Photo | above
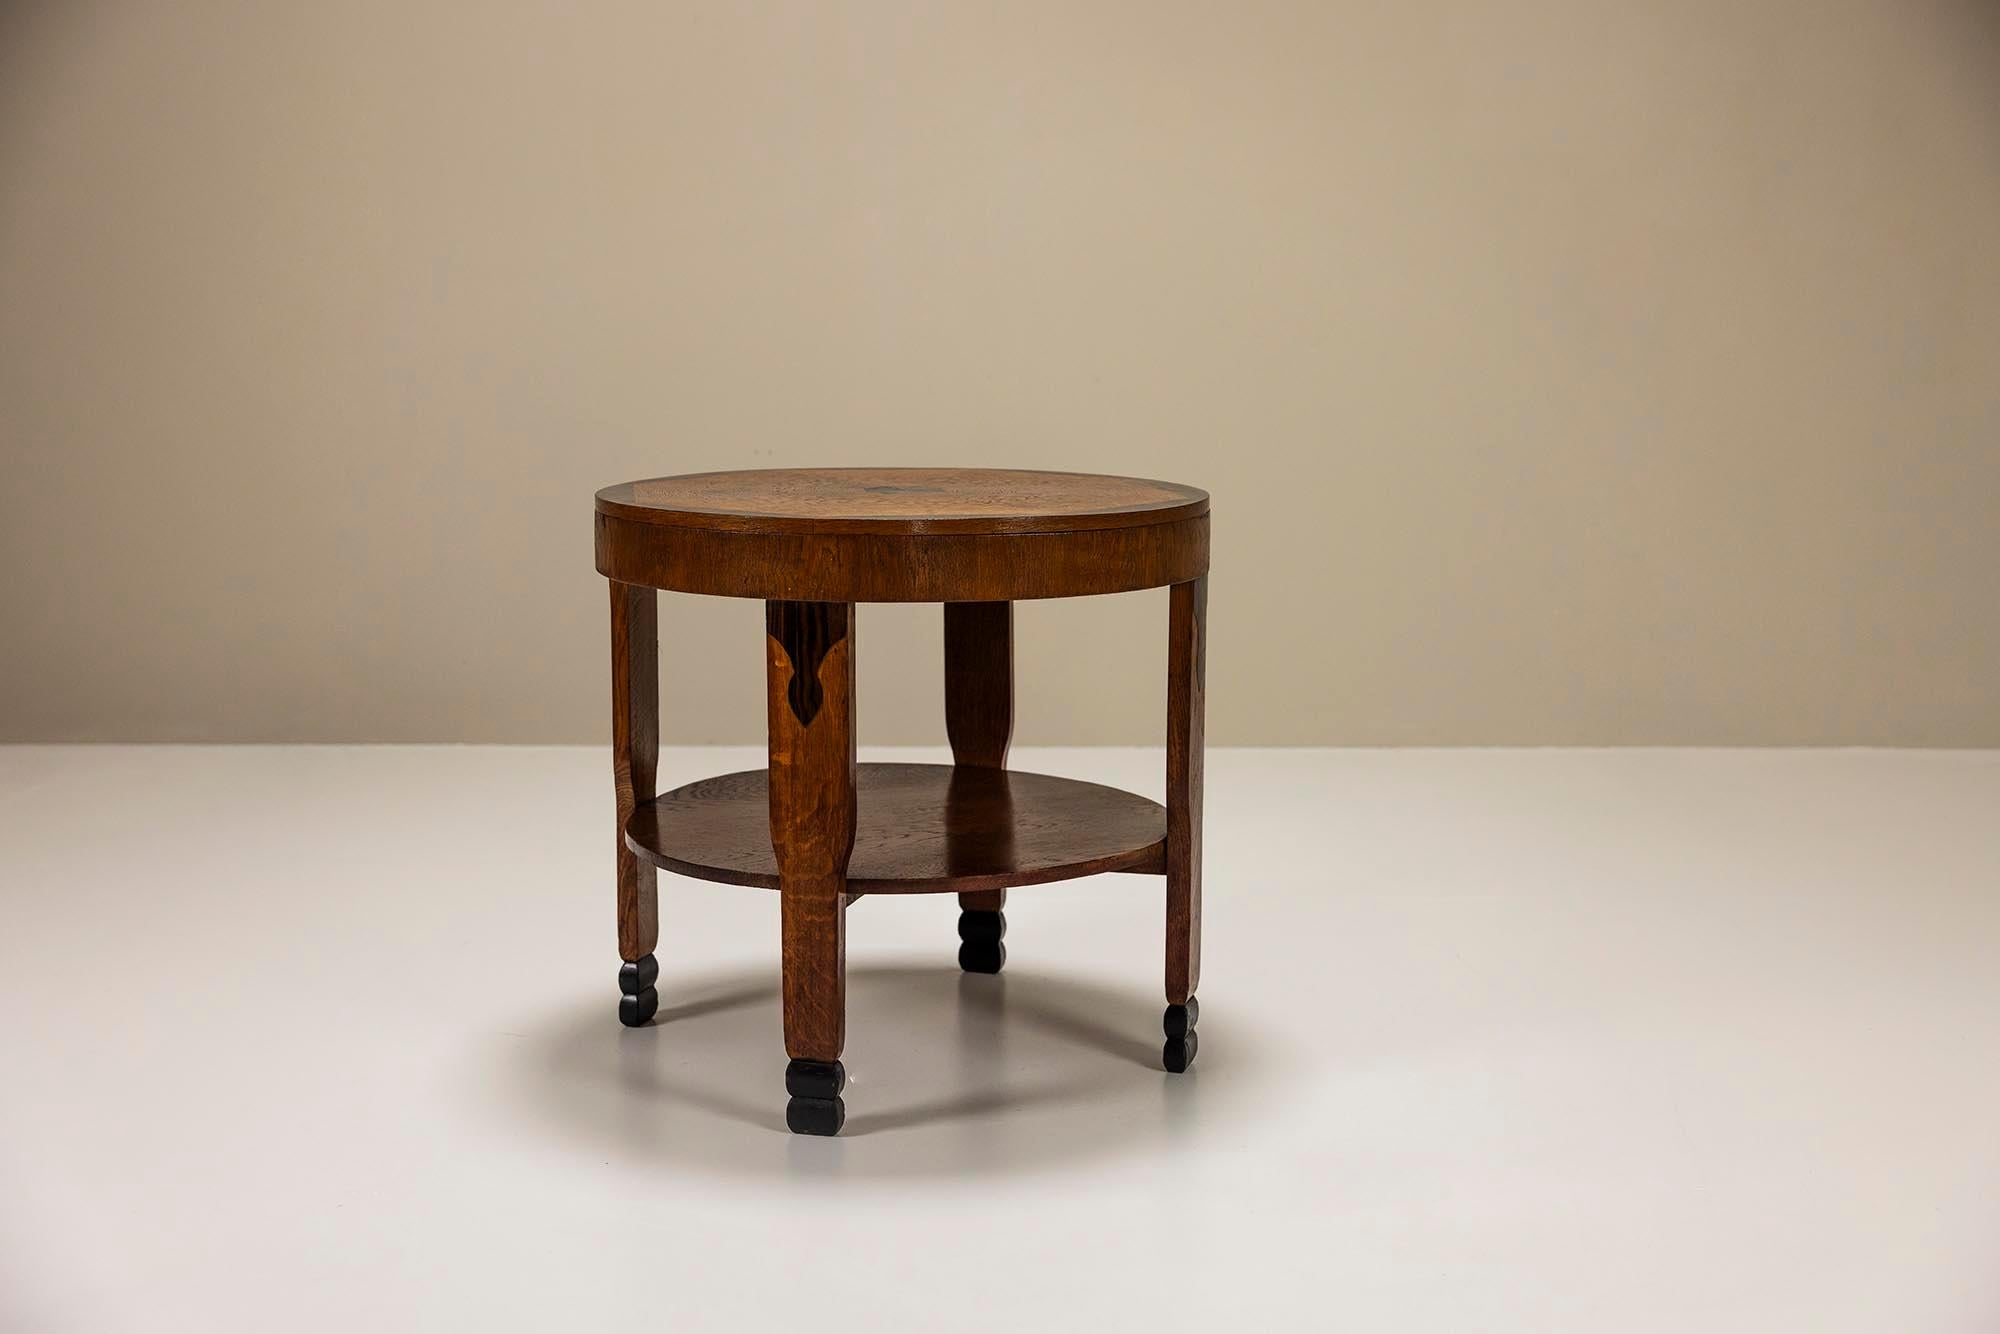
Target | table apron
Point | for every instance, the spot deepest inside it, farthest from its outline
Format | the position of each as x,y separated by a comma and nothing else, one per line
877,567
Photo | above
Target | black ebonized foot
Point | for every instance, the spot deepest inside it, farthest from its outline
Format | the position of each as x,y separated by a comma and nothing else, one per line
982,933
640,1000
815,1108
1182,1043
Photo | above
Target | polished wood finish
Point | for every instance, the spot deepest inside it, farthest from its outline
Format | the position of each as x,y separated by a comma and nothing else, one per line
822,829
979,721
809,658
901,534
635,755
901,501
1187,688
920,829
888,567
979,681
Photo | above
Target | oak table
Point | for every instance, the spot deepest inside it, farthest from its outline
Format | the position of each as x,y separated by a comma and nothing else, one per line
823,830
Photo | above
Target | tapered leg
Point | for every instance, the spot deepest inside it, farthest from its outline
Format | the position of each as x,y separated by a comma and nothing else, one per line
635,755
1187,653
979,681
979,720
809,654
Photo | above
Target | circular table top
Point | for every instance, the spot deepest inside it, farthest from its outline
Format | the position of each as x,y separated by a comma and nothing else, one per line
901,501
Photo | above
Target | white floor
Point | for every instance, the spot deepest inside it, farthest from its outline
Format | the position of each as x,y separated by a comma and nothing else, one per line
324,1039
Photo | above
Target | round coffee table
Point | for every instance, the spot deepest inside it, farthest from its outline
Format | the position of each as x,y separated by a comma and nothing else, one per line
823,830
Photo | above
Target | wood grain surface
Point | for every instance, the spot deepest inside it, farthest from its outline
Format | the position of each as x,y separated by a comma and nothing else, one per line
920,828
1187,688
979,702
901,501
635,752
901,567
979,681
809,814
821,828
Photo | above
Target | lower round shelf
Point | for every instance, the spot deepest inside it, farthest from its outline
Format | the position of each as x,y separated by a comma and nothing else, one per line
919,829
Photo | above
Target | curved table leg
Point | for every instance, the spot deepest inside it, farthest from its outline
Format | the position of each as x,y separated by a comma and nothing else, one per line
809,657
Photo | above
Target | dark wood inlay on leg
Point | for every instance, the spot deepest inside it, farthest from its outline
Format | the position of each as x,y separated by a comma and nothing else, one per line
807,631
812,812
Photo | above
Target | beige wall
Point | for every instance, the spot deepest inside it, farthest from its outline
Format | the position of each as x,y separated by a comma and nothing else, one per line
1564,371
